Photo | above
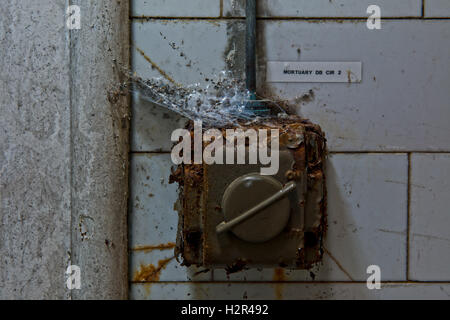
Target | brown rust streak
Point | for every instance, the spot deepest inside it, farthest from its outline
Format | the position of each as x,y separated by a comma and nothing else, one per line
150,273
163,246
278,277
154,65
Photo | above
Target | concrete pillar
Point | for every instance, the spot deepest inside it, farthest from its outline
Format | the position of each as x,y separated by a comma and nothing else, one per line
63,149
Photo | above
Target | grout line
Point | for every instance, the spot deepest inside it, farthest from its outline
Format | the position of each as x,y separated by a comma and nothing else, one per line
313,19
221,8
423,8
408,216
289,282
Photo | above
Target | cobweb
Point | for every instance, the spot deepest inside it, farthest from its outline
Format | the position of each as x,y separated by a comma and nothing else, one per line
222,102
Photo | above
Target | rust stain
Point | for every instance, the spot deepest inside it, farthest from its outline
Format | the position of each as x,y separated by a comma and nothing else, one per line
154,65
349,76
163,246
237,266
338,263
308,155
279,276
150,273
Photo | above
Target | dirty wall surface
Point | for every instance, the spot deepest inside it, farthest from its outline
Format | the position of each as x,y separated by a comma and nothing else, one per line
63,150
389,158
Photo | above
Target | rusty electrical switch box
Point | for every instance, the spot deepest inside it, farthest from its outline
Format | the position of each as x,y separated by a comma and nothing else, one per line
233,217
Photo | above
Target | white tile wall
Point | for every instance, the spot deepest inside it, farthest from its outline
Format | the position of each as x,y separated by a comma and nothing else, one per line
437,8
175,8
430,217
188,51
304,291
402,101
325,8
283,8
152,126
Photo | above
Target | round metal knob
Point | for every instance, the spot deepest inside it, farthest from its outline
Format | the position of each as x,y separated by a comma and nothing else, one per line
247,192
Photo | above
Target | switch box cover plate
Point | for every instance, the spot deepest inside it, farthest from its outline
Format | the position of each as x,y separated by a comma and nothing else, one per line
288,233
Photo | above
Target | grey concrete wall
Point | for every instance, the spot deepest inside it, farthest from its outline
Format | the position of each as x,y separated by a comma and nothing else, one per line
63,150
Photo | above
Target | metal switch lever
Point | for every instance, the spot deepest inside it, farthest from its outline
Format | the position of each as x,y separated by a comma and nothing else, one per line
225,226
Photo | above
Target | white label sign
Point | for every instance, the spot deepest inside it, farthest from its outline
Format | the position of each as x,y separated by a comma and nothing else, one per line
295,71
